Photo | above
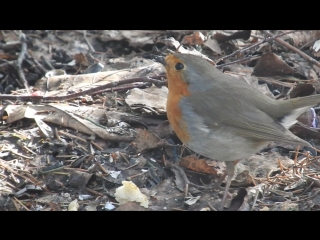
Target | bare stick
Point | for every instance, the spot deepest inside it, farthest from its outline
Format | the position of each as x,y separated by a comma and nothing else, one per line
294,49
105,87
253,46
18,63
87,41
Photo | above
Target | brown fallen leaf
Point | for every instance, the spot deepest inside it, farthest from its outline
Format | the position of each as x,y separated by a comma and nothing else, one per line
271,65
151,100
197,38
145,140
81,59
198,165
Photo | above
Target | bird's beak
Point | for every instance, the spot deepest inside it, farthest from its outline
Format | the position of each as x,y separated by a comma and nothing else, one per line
160,59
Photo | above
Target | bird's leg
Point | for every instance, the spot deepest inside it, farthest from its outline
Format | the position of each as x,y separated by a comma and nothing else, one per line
223,176
220,180
230,171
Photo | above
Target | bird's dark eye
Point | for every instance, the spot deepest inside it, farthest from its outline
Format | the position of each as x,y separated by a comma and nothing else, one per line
179,66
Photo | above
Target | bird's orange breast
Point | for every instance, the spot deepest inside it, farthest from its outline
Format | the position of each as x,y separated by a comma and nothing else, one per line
177,90
175,118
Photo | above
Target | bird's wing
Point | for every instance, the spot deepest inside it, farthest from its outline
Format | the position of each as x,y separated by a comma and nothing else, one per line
224,112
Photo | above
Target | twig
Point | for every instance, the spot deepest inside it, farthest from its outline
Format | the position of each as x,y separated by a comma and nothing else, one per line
96,145
60,38
14,203
179,209
295,159
184,177
18,63
125,158
102,168
105,87
24,177
212,207
201,187
278,82
253,46
125,88
294,49
10,46
53,170
20,155
242,60
76,169
87,41
72,136
136,175
307,188
48,64
94,192
36,64
21,204
255,199
131,165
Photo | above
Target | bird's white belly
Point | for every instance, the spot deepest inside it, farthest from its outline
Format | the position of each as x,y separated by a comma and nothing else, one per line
223,146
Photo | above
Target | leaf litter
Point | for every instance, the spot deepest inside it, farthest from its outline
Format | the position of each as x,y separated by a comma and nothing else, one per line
85,129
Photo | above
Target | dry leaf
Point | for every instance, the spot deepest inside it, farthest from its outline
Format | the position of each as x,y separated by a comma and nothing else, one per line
130,192
197,165
70,116
213,45
145,140
271,65
151,100
73,206
197,38
301,38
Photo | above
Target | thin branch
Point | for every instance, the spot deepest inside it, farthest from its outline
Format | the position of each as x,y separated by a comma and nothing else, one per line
253,46
105,87
19,61
294,49
87,41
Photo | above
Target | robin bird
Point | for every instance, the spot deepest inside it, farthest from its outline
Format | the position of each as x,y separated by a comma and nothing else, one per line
225,119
